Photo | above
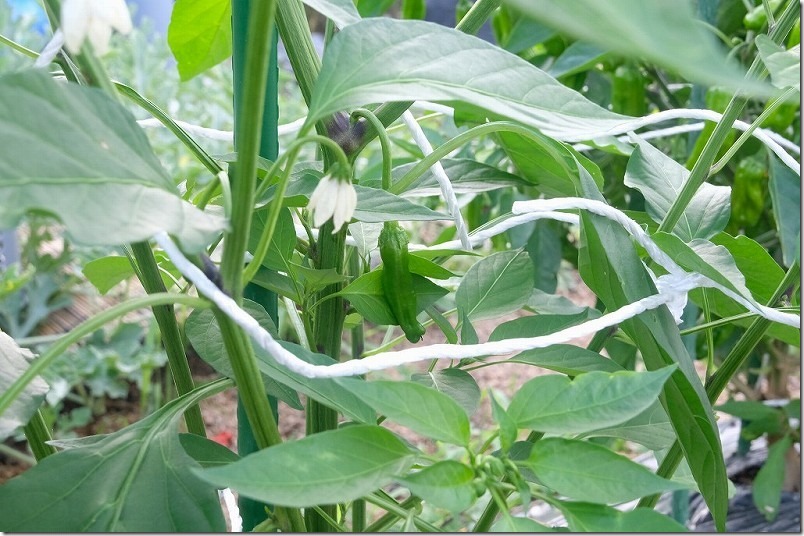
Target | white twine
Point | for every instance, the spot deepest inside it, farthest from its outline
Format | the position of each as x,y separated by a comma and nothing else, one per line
51,50
672,287
442,178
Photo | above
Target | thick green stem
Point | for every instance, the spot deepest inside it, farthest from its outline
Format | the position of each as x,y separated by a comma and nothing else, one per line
400,512
385,144
327,329
248,128
171,337
731,364
38,434
295,33
700,171
88,327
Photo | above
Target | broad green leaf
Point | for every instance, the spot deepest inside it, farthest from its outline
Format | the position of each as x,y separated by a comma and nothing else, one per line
647,31
283,240
375,205
592,473
499,284
609,264
547,164
466,176
13,362
326,468
576,58
536,325
422,409
509,523
366,295
555,404
373,8
314,279
332,392
106,272
524,34
200,35
136,480
74,153
749,410
587,517
427,268
544,249
275,282
660,179
544,303
455,383
204,334
651,428
785,191
380,60
767,488
366,236
446,484
508,428
566,359
783,65
762,276
206,452
341,12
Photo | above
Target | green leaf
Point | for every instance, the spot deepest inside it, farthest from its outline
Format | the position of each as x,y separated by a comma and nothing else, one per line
326,468
283,240
577,58
647,31
609,264
566,359
366,295
74,153
427,268
555,404
767,488
106,272
341,12
785,191
204,334
383,59
466,176
783,65
279,283
750,410
455,383
544,249
13,362
496,285
508,428
423,410
592,473
509,523
537,325
200,35
651,428
547,164
136,480
331,392
660,179
586,517
375,205
446,484
206,452
314,279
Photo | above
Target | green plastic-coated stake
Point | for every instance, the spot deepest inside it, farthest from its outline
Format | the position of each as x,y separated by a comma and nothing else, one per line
253,512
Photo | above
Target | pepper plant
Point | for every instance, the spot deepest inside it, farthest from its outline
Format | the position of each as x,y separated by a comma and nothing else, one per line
551,114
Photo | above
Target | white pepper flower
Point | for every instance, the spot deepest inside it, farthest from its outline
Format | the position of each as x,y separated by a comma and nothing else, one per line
333,198
93,20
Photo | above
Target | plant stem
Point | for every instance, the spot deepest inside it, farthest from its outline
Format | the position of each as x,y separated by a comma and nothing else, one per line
700,171
21,457
477,16
171,337
37,433
385,144
733,361
400,512
85,328
295,33
248,127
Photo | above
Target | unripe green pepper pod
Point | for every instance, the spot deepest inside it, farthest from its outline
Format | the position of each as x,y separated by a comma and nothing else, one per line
628,91
397,281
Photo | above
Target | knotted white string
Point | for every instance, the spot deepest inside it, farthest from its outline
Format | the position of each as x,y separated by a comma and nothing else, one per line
673,289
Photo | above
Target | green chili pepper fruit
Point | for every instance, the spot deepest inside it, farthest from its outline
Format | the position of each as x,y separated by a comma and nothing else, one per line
397,281
782,117
748,191
628,91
